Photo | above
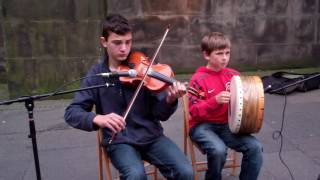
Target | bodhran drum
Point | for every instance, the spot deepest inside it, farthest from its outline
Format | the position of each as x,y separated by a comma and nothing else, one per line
246,106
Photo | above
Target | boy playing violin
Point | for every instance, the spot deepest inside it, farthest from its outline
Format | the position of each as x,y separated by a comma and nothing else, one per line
209,113
140,135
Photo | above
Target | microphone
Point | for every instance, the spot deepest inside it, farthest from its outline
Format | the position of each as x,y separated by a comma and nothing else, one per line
131,73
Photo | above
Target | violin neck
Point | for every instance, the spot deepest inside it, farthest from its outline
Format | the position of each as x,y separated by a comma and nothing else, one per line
169,80
161,77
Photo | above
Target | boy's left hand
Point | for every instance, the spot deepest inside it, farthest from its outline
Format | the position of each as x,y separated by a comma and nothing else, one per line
176,90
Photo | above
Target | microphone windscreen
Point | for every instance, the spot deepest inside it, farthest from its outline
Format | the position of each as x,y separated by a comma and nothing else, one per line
132,73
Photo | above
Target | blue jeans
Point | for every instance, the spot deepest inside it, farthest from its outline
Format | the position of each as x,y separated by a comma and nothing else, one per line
214,139
163,153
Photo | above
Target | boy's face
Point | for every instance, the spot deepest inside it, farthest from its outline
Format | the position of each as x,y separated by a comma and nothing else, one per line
217,59
117,46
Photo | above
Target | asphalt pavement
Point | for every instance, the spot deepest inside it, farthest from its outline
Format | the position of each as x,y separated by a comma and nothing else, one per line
70,154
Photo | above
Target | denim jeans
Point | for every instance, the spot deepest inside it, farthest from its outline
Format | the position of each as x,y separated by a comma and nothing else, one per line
163,153
214,139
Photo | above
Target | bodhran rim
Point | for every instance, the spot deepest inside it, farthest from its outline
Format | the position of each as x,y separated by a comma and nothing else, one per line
235,104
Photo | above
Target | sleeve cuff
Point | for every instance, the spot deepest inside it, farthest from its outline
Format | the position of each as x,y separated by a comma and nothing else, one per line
93,126
212,102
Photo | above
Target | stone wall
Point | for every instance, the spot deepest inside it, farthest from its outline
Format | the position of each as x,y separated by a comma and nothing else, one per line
47,43
265,34
44,44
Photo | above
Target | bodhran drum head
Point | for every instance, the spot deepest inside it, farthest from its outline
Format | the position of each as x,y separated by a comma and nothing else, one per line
246,105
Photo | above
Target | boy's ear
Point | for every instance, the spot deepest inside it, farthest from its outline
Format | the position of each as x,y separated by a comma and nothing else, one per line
206,56
103,42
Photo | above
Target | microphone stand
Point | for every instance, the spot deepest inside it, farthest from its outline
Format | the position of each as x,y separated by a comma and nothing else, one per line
295,83
29,104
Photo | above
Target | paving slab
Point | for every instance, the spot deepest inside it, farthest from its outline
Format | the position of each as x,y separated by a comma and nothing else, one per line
67,153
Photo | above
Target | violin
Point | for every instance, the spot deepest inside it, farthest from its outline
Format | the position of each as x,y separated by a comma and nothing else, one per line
159,76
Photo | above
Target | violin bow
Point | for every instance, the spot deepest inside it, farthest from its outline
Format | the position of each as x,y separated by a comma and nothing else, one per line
142,81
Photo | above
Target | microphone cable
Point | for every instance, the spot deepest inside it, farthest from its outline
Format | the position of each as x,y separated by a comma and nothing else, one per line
278,134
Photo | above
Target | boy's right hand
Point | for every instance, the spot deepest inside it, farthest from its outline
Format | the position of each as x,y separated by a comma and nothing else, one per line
223,97
112,121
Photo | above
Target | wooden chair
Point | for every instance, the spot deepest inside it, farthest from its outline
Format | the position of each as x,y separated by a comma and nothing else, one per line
199,166
103,159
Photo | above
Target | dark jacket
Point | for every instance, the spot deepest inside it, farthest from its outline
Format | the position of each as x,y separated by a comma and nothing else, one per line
143,122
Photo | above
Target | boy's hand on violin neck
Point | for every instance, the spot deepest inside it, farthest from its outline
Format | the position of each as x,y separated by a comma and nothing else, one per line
175,91
112,121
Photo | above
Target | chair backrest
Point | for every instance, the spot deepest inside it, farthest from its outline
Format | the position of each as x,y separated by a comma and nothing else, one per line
189,147
103,160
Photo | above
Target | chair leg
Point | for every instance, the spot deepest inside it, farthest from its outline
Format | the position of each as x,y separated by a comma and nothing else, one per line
100,167
193,159
107,163
156,173
234,163
100,163
151,171
103,157
185,138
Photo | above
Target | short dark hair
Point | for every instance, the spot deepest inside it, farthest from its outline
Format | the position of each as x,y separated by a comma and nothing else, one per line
115,23
214,41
